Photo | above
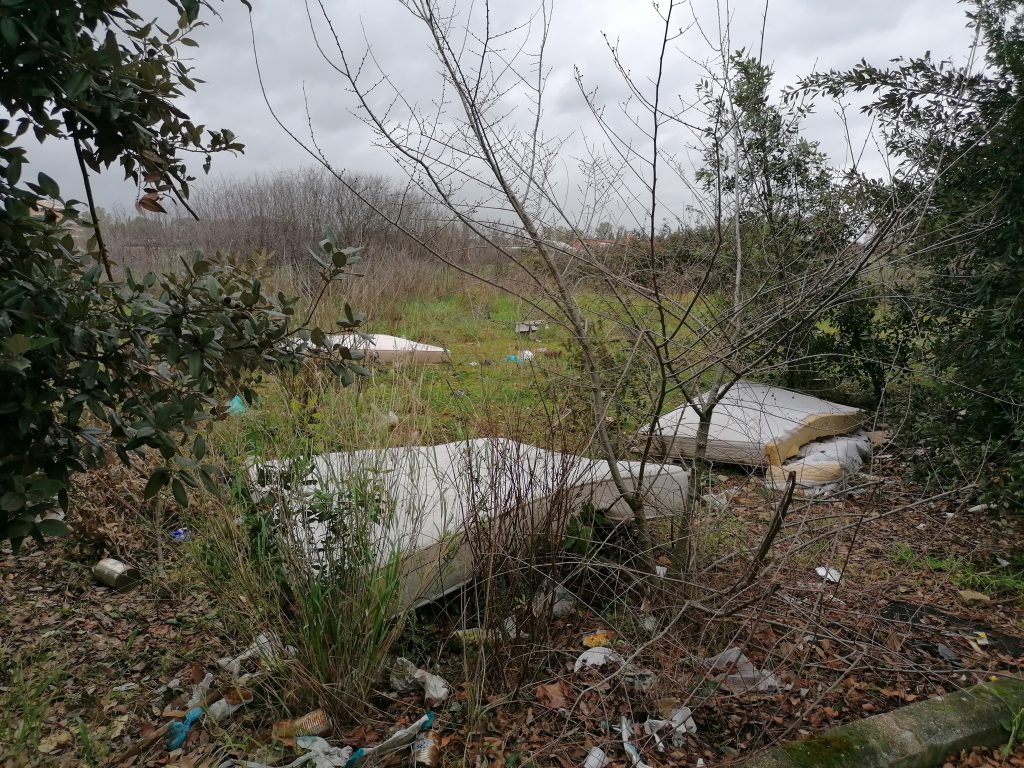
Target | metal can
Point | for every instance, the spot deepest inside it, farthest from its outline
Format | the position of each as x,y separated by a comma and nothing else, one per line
426,750
312,724
115,574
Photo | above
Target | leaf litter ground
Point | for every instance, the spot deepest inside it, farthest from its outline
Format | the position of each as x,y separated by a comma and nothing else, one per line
83,669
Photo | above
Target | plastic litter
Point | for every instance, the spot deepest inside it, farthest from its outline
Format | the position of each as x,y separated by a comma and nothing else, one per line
596,758
1002,563
682,724
232,701
651,728
406,677
426,750
312,724
178,731
180,534
529,326
401,738
236,406
526,355
513,359
639,679
738,673
980,508
630,749
829,574
320,754
200,691
598,639
559,601
597,657
115,574
263,650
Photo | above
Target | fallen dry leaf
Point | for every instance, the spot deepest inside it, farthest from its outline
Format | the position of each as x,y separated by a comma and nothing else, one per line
54,742
551,695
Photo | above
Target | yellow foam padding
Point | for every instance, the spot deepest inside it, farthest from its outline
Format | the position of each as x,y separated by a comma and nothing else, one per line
807,475
814,427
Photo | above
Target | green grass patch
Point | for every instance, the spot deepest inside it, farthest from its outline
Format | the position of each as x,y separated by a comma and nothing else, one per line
964,573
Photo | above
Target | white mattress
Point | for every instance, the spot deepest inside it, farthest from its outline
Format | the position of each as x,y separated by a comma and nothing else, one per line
432,492
755,425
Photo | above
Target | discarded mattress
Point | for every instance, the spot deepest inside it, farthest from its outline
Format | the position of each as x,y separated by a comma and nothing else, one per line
755,425
424,498
383,348
822,464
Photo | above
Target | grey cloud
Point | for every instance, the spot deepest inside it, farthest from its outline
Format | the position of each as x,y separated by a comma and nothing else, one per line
800,34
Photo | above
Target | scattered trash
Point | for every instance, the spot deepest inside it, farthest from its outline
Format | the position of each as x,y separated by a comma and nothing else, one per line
597,657
115,574
639,679
661,570
1002,563
513,359
322,754
598,639
945,652
264,650
319,754
180,534
922,526
739,674
178,731
718,502
199,692
477,636
406,677
981,638
829,574
630,749
232,701
651,728
680,724
559,602
700,762
392,419
236,406
426,750
596,758
981,508
971,597
530,326
650,623
473,363
526,355
949,515
396,741
311,724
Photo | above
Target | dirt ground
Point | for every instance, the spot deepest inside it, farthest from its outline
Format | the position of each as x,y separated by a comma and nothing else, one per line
84,670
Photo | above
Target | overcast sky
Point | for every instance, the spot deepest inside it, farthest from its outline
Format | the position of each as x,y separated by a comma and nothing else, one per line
800,35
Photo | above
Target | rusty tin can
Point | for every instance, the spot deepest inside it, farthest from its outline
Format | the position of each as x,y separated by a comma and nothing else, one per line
426,750
313,724
115,574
